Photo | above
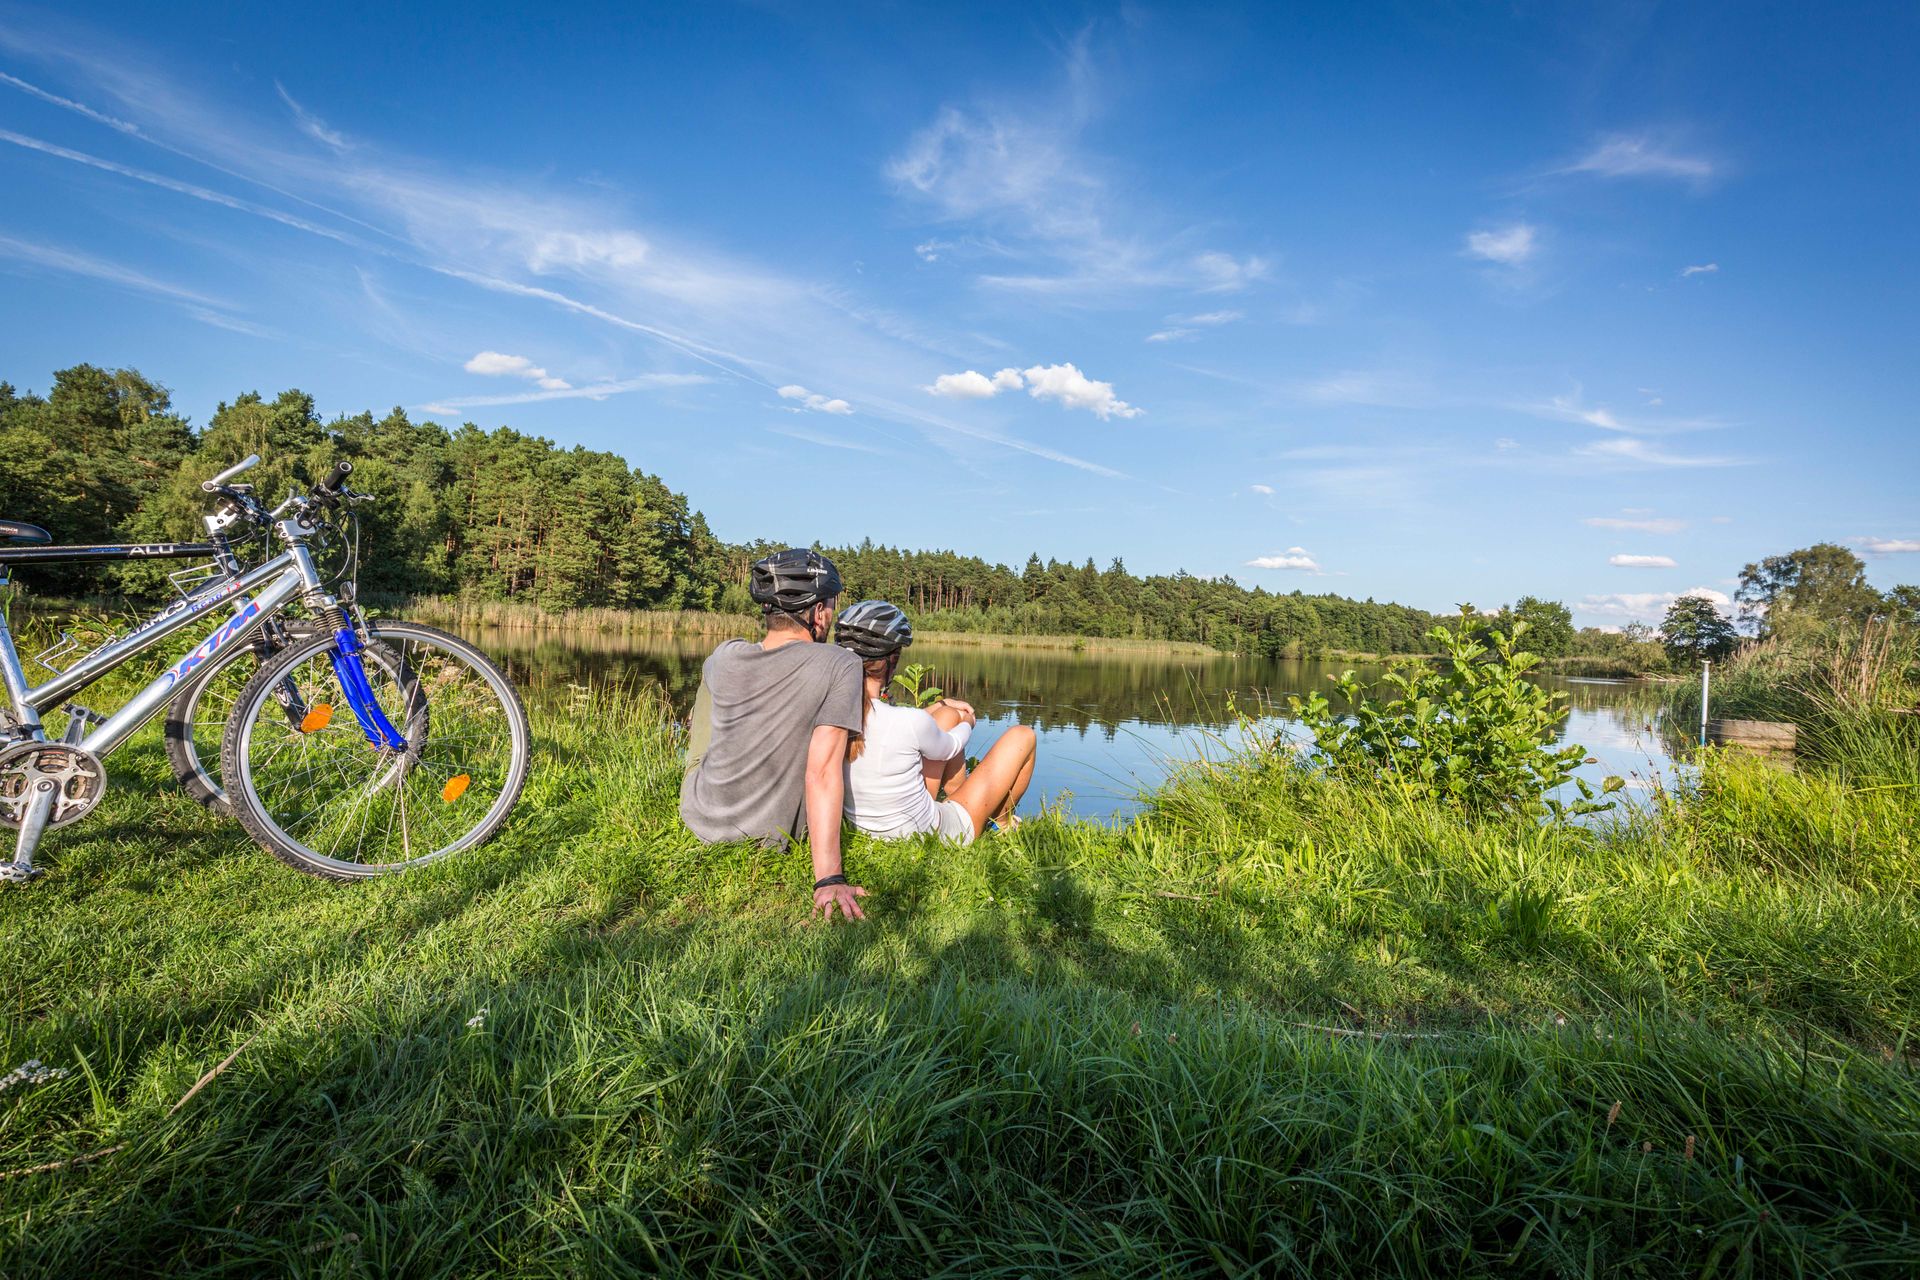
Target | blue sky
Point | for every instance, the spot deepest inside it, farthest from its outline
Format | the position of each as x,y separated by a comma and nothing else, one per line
1424,303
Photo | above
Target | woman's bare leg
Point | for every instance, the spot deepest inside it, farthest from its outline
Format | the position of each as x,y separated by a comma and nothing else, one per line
945,773
992,790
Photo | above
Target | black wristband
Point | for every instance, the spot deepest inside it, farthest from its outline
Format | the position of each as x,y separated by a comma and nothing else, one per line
826,881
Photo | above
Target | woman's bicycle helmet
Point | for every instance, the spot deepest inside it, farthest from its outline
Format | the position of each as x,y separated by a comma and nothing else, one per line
873,629
793,581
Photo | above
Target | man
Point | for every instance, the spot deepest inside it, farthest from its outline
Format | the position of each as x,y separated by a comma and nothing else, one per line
766,755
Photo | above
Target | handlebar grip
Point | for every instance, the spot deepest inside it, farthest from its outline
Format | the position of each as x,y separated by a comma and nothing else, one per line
246,463
338,477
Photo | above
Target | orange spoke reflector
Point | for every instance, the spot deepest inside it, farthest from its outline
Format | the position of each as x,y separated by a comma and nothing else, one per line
318,718
456,787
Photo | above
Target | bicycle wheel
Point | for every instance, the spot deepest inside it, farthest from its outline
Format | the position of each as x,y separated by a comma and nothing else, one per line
317,792
197,717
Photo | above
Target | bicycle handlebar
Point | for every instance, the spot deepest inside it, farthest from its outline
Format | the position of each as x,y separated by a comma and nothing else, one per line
245,464
330,487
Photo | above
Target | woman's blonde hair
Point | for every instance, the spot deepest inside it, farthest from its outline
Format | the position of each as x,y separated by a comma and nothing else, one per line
882,667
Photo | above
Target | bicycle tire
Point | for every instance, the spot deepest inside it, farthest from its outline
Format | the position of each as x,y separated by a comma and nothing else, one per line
422,665
198,771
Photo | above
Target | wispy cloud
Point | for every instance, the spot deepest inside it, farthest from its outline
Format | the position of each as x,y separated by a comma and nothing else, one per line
596,391
495,364
1023,175
1640,155
1172,335
1572,408
520,239
824,441
170,184
78,108
1630,451
1705,269
1625,561
814,400
1264,490
1888,546
1637,521
1513,245
1293,558
81,264
310,124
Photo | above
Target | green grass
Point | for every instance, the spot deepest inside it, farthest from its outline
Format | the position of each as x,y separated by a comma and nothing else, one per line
1272,1025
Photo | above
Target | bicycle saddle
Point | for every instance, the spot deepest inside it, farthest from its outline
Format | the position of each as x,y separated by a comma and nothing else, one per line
21,531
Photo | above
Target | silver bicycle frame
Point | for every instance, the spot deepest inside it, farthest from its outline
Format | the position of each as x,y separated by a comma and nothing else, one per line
285,576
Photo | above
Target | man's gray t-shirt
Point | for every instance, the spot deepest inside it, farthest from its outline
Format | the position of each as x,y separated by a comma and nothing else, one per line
752,720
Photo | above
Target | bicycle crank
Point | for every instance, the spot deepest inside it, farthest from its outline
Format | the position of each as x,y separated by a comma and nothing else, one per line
68,782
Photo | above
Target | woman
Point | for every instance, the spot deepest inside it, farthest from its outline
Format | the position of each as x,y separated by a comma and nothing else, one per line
904,756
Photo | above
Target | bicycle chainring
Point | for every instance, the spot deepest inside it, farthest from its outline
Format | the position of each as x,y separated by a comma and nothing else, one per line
77,774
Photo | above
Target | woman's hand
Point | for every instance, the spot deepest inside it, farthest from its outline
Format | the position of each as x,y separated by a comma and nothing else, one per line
966,712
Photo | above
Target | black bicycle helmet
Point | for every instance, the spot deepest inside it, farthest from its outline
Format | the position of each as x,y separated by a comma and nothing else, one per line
872,629
793,580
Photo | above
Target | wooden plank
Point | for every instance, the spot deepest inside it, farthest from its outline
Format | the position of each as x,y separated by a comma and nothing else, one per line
1754,735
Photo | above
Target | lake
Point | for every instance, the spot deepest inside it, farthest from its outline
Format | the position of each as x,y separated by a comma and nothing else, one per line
1109,723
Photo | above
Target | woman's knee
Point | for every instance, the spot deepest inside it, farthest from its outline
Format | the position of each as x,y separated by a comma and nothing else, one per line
1023,738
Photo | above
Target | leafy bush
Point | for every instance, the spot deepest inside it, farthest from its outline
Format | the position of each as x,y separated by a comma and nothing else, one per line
1470,731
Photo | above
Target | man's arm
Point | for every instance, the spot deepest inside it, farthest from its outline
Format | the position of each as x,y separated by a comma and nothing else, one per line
826,791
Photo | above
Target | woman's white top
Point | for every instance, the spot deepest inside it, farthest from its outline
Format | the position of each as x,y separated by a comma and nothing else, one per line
887,787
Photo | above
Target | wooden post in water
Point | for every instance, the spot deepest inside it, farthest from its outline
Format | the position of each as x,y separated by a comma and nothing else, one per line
1706,683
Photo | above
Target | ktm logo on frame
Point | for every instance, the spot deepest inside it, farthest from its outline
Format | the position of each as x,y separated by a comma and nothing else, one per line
211,645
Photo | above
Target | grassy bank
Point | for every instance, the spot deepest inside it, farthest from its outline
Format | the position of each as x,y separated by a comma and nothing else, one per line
1271,1024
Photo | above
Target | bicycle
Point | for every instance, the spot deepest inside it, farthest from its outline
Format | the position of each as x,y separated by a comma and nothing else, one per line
430,761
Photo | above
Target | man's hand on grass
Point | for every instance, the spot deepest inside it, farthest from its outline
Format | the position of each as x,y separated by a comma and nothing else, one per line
845,896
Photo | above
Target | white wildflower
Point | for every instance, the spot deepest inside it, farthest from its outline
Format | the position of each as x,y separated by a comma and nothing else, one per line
32,1072
477,1021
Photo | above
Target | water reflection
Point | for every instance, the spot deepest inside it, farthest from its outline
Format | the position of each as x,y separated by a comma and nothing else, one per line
1109,724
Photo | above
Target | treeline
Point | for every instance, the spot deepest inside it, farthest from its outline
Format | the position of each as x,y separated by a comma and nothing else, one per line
500,515
944,591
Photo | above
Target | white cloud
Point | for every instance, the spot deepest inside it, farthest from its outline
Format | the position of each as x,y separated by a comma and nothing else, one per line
1706,269
1510,246
1210,317
1644,606
1638,521
1625,561
1505,443
1173,335
1623,155
1889,546
1074,390
975,386
1265,490
1061,382
1292,558
813,400
930,250
497,364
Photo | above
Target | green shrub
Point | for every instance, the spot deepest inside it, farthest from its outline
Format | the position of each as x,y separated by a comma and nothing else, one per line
1471,731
